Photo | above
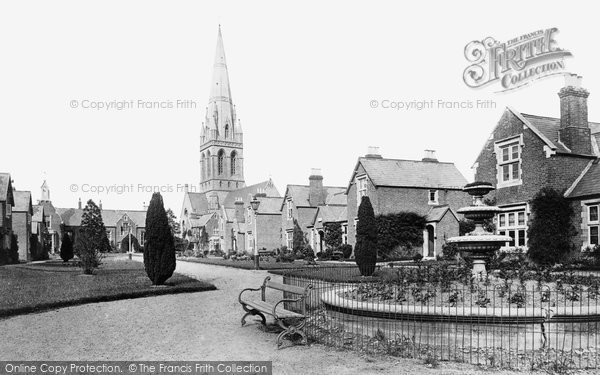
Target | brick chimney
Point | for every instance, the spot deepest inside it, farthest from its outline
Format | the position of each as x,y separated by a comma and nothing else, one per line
574,129
316,193
373,152
239,210
430,156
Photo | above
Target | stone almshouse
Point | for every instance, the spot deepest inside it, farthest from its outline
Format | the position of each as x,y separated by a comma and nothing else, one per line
528,152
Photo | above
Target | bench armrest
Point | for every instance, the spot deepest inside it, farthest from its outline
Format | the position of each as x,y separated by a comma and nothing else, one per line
286,300
247,290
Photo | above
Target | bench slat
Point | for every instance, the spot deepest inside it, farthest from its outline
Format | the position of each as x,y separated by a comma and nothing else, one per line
268,309
286,287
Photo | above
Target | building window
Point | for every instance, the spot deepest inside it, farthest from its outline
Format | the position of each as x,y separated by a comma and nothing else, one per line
8,210
233,161
593,224
220,161
289,239
226,131
433,196
124,229
345,234
361,187
289,209
513,224
142,237
508,154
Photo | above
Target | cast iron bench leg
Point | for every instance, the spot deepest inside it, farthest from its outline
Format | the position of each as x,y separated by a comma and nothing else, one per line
290,330
253,312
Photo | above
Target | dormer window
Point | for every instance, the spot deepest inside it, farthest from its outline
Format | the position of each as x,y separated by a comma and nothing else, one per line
433,196
508,156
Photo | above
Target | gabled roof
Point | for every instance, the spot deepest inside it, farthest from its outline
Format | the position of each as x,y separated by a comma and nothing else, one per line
437,213
331,214
22,201
38,213
269,205
200,221
335,195
266,187
6,192
547,129
588,183
72,217
198,202
410,173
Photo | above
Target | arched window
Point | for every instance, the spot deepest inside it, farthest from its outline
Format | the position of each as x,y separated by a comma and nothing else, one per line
227,131
202,166
233,162
208,164
220,161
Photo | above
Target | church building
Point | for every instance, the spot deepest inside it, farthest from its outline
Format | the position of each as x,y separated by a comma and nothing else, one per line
211,212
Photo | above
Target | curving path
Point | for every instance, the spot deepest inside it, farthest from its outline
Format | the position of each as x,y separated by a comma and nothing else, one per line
197,326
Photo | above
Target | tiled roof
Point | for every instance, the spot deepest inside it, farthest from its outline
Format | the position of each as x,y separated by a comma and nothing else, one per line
549,127
199,202
589,183
269,205
5,186
22,201
413,173
299,194
436,213
330,214
200,221
72,216
267,187
38,213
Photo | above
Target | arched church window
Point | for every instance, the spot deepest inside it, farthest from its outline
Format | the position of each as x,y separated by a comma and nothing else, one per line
227,131
208,164
233,162
220,161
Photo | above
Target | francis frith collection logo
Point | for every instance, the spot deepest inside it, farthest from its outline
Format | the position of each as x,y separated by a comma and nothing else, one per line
515,63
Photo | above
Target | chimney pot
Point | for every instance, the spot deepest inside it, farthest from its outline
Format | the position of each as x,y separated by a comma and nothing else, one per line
574,130
373,152
430,156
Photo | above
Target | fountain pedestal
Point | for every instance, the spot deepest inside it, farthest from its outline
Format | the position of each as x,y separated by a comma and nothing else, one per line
480,244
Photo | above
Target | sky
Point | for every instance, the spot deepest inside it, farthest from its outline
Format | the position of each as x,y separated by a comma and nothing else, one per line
303,77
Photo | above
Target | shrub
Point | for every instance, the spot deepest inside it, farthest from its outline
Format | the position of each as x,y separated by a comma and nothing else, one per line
550,227
365,251
308,252
134,244
66,248
298,237
450,251
333,235
402,230
91,240
159,248
346,249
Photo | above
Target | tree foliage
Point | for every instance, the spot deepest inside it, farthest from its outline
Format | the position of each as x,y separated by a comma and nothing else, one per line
403,231
159,249
173,223
135,244
66,248
365,250
333,236
298,238
550,227
92,240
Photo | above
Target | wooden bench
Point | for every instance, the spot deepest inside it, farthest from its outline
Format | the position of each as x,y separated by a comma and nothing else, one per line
291,322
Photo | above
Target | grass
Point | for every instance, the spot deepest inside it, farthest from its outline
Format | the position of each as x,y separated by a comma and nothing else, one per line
29,288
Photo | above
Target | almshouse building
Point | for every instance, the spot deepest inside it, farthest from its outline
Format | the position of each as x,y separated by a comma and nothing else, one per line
427,187
527,152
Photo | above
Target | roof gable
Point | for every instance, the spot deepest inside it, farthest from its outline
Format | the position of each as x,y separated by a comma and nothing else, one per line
266,187
23,201
6,191
588,183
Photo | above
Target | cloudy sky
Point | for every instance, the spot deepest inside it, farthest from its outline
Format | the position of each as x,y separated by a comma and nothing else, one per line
303,75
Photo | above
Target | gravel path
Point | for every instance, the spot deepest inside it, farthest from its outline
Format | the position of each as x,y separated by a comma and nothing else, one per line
196,326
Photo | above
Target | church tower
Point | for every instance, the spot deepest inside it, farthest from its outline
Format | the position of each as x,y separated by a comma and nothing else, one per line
221,138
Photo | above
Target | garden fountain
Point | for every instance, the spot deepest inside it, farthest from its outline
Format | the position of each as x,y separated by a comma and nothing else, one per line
480,244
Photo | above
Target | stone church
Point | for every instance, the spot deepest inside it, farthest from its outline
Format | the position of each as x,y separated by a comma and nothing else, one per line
221,208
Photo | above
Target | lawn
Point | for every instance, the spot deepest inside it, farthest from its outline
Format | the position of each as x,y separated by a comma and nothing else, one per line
35,287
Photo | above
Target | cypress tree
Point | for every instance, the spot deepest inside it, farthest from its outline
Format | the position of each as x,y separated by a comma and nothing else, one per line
91,239
159,248
66,248
365,251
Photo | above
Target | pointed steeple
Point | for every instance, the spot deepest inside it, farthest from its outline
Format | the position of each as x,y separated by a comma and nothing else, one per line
220,102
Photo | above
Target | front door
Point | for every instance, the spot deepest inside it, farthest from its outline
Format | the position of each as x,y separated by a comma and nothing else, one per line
430,241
